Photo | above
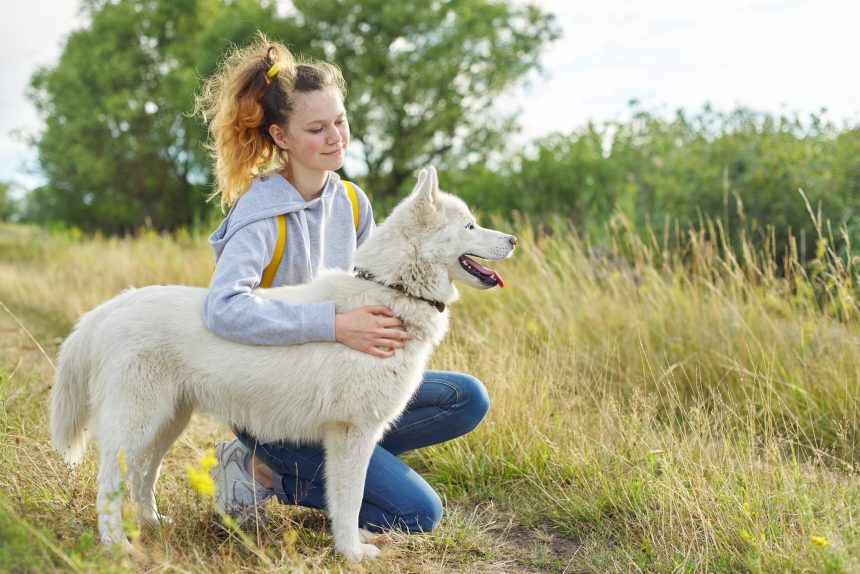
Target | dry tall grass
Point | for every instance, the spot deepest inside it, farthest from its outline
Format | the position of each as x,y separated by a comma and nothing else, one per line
666,410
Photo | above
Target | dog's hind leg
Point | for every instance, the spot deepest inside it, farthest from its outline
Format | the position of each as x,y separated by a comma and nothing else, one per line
112,477
347,453
164,439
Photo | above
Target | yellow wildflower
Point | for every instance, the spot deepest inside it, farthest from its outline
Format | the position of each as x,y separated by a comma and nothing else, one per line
208,462
819,541
201,481
199,477
745,534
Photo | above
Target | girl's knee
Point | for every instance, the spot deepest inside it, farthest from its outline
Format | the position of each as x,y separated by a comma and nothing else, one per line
479,393
424,515
427,516
432,515
474,398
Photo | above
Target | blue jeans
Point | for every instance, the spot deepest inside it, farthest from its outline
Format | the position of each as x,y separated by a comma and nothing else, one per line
445,406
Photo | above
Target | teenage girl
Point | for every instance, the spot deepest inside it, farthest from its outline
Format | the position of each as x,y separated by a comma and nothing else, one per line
279,132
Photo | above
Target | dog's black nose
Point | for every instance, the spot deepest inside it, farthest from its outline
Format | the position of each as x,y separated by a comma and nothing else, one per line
513,240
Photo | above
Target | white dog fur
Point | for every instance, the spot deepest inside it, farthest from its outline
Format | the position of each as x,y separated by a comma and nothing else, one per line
135,368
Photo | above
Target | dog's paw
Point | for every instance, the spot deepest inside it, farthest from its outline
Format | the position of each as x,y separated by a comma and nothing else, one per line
362,552
366,536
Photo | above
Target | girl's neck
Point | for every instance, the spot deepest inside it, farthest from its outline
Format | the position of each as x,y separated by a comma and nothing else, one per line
309,183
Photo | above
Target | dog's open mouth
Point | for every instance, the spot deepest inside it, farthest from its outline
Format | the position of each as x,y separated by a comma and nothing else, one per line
488,277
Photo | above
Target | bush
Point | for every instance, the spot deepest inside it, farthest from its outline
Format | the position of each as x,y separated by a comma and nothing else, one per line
742,167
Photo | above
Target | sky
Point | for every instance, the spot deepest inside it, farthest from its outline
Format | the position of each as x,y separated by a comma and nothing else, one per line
777,56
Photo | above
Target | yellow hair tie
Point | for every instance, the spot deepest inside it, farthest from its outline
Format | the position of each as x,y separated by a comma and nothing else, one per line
273,71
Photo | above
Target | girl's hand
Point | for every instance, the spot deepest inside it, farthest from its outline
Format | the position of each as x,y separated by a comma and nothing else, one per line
372,329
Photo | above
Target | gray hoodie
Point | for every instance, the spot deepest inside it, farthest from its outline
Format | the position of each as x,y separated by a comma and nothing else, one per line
320,235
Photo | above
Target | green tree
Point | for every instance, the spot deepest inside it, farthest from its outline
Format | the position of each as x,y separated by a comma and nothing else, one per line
6,204
423,76
119,150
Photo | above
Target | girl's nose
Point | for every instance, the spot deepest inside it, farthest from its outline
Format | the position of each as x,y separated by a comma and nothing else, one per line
334,135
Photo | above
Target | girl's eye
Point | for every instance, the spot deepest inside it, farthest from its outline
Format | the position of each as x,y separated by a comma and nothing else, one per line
317,131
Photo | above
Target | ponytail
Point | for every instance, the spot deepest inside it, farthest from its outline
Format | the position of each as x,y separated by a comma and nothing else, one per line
249,92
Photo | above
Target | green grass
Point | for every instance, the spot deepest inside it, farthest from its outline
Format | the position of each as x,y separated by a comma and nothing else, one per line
692,411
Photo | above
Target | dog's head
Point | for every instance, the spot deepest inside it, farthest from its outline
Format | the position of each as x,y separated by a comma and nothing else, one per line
431,239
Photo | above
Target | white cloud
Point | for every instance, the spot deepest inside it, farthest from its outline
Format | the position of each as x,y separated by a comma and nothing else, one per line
770,55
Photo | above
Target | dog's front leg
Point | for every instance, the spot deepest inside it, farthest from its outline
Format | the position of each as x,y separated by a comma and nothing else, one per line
347,453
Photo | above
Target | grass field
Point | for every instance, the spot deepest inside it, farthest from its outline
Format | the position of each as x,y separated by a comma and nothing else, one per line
689,410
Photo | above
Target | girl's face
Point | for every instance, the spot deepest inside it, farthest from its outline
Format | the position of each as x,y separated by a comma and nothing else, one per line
318,132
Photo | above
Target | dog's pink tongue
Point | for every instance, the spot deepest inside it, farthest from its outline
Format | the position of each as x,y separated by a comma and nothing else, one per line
488,272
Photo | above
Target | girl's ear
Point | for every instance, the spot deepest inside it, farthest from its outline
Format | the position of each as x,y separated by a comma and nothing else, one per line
279,136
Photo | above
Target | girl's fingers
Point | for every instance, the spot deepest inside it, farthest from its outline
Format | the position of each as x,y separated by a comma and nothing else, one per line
391,322
388,343
380,310
395,334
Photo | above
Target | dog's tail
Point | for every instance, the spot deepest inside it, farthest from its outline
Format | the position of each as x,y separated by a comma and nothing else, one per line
70,396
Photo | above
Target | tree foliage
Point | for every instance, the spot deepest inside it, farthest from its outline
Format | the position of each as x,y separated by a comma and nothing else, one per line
7,206
423,76
742,167
119,149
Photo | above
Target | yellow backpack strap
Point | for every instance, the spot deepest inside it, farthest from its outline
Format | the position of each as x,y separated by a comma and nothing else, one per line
269,271
350,191
272,267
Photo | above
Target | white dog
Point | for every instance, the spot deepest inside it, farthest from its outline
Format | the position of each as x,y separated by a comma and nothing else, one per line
136,367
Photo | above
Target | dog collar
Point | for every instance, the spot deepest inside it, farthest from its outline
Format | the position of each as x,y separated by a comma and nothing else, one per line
361,274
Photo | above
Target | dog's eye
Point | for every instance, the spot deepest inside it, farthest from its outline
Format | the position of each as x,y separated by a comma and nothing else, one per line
470,226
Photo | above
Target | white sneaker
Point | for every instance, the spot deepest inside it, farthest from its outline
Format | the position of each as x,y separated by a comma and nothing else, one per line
236,491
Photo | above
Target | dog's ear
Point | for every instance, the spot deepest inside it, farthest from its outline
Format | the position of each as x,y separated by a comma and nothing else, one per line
434,182
431,173
426,191
428,183
422,181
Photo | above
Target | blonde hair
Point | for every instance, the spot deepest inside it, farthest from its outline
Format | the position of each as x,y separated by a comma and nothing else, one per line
240,101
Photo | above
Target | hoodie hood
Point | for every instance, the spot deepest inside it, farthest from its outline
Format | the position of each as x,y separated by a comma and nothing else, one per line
269,195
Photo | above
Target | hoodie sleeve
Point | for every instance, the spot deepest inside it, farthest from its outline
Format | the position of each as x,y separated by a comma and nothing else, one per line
233,311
